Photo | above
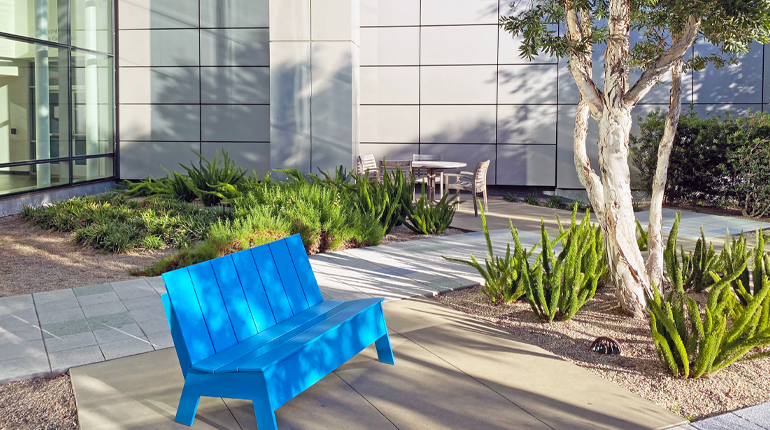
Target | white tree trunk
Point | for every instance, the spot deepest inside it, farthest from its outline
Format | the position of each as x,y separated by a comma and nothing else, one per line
655,232
619,223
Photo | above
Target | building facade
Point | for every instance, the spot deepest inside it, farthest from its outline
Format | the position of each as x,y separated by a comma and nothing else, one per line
92,90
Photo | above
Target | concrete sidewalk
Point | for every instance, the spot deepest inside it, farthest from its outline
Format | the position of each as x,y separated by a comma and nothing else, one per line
451,372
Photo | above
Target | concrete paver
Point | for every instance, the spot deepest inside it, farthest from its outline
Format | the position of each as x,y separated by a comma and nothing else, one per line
428,388
758,415
727,421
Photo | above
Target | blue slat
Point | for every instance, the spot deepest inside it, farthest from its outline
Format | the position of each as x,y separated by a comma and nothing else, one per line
235,299
304,271
196,337
272,283
231,358
213,306
289,277
288,348
252,287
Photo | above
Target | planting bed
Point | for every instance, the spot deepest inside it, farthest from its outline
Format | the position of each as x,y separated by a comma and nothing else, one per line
637,368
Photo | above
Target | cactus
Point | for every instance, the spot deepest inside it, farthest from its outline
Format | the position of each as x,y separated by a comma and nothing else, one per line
558,287
692,345
700,263
501,276
691,270
430,218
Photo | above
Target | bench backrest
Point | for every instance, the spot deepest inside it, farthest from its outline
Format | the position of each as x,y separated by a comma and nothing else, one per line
218,303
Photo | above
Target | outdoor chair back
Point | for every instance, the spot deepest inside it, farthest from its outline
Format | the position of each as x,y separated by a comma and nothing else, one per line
367,166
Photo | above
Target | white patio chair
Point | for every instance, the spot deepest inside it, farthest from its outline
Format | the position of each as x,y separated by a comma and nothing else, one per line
474,183
366,165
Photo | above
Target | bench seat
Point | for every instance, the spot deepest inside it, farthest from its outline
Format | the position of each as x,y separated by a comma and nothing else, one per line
253,325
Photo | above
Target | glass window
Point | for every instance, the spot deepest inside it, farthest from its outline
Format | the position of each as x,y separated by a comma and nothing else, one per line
34,102
38,19
92,168
92,25
34,176
92,111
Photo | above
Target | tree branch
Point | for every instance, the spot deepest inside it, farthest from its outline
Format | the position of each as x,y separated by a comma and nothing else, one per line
586,175
663,63
580,64
655,227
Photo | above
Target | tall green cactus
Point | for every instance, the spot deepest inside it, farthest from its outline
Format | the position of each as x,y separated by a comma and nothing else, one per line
501,274
556,287
691,270
693,345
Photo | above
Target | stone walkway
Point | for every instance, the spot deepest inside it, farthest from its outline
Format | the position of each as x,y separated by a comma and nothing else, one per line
714,226
47,333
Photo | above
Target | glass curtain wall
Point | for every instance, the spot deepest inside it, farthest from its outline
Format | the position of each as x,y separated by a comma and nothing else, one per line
56,93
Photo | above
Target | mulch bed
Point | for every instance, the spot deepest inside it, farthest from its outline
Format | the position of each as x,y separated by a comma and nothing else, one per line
38,404
637,368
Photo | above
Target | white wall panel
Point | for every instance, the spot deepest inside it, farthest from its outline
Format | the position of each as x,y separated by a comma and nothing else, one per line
397,124
235,123
397,46
159,85
250,156
454,12
144,14
526,124
740,83
527,84
235,47
234,13
458,84
457,124
390,12
159,48
179,123
390,85
390,151
530,165
139,160
452,45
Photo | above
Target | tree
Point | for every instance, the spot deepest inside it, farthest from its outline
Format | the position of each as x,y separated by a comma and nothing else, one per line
668,29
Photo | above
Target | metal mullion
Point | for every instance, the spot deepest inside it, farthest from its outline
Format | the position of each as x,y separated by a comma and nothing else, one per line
57,160
71,98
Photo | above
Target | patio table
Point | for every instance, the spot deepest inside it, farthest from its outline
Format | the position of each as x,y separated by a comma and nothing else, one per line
436,166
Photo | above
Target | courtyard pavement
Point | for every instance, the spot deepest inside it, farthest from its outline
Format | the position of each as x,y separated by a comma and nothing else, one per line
451,372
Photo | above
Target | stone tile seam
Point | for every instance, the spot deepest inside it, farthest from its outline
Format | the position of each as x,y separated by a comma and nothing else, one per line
365,399
40,327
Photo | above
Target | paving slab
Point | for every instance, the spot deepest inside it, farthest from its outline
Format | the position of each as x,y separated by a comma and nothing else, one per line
726,422
63,360
758,415
126,347
23,368
432,386
72,341
114,334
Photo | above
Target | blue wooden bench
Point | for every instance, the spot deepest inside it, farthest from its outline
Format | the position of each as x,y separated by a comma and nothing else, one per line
253,325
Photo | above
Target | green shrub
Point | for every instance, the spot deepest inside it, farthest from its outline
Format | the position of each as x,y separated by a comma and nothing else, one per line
387,201
115,223
718,160
692,345
213,181
691,270
532,199
511,198
500,273
557,287
555,202
427,217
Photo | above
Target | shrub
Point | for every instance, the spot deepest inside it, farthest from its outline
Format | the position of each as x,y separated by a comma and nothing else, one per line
555,202
511,198
426,217
387,202
112,222
213,182
718,160
692,345
558,287
532,199
691,270
500,273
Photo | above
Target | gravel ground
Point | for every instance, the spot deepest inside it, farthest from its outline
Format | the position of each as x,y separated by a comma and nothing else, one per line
402,233
637,368
38,404
35,260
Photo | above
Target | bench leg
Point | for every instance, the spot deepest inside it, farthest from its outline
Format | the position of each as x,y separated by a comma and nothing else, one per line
188,405
384,350
265,415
